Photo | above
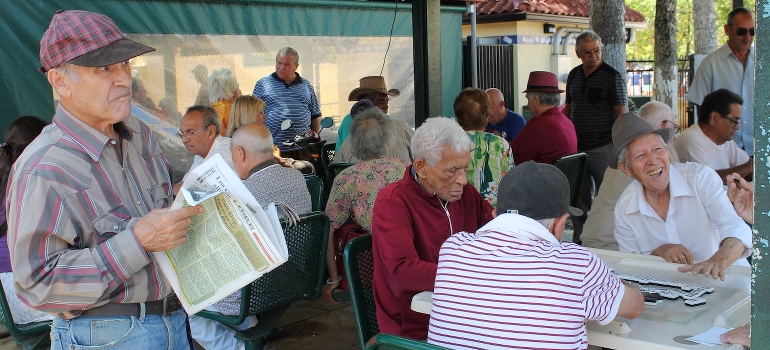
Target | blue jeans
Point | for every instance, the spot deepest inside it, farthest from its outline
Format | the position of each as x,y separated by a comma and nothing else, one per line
121,332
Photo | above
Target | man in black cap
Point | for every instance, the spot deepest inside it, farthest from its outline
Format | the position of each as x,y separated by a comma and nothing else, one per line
85,199
513,283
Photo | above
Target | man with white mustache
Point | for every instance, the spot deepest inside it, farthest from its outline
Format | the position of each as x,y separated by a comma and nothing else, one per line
679,212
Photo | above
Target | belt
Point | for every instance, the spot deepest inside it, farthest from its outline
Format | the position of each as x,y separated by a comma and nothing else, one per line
165,307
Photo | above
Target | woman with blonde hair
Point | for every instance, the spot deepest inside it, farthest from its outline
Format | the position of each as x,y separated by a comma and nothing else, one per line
246,109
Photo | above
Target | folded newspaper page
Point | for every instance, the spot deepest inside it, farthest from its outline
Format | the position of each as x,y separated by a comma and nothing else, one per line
234,242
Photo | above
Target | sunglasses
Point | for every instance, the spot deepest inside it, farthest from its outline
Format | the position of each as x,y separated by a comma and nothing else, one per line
743,31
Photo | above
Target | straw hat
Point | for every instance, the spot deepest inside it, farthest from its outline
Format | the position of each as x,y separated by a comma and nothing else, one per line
370,85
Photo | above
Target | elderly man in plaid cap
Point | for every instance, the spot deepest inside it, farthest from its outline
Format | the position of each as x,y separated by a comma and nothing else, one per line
85,201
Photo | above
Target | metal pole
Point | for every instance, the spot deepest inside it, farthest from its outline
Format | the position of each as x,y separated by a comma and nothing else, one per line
760,308
474,59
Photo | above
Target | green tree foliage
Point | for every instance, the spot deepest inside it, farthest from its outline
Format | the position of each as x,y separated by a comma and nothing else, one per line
642,48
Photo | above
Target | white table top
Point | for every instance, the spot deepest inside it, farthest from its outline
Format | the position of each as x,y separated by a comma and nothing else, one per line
666,325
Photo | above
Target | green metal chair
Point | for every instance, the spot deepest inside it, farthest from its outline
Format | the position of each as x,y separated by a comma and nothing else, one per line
300,278
574,167
31,336
394,342
316,188
359,268
327,154
332,171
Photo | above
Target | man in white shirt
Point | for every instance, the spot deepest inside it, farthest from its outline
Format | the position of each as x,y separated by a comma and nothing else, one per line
731,67
679,212
200,133
710,142
514,284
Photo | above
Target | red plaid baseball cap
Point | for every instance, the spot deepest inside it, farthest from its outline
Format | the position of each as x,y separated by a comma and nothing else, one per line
85,39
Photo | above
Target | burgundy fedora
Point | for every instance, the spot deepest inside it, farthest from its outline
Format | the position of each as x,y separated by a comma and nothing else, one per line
541,81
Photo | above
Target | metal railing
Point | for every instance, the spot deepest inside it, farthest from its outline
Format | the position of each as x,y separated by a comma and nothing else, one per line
641,79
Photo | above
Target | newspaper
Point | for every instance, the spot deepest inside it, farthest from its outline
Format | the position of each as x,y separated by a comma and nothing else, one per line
234,242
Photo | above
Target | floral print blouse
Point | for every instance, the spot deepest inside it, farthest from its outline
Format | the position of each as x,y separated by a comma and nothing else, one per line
355,189
491,158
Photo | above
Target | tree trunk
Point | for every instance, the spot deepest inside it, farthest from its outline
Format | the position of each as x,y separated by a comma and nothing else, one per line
665,89
704,24
608,20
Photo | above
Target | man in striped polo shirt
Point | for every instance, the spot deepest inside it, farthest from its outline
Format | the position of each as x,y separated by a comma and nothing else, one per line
596,96
86,201
289,96
514,285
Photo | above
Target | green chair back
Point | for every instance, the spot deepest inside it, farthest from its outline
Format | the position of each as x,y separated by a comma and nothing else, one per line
359,268
574,167
300,278
331,172
394,342
327,154
316,188
31,336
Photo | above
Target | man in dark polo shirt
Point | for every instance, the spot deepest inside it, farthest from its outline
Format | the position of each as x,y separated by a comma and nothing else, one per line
596,96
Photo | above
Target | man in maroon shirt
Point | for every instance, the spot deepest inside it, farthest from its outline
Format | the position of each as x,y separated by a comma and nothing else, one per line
549,135
414,216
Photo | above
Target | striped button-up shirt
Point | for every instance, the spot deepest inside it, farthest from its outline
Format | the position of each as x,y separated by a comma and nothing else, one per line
72,201
296,101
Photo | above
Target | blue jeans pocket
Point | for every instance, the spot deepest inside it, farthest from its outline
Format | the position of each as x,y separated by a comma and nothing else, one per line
92,333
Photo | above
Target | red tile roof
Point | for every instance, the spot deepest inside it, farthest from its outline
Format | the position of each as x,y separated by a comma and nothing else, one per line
574,8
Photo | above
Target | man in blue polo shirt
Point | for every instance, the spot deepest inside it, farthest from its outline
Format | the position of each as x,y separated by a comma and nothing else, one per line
289,96
502,121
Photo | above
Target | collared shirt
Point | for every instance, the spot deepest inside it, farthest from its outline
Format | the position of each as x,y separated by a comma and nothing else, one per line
722,70
599,229
73,199
699,215
592,100
513,285
296,101
221,146
545,138
694,146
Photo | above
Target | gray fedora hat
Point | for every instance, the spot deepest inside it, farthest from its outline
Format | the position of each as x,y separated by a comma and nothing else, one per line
629,127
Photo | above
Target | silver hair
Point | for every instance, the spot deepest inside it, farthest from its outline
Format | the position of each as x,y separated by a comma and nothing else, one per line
222,85
655,112
586,36
369,133
548,223
288,51
209,114
436,133
253,142
624,151
69,70
546,98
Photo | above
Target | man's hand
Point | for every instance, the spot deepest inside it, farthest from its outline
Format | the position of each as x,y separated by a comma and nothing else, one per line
740,335
710,268
164,229
675,253
729,251
741,194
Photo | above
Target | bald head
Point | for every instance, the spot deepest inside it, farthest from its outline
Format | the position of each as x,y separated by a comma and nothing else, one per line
250,145
658,114
498,111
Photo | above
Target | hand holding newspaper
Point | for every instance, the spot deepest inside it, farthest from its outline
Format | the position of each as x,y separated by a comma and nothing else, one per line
234,242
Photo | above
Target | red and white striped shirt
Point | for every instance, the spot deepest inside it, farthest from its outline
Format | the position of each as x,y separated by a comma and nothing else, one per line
513,285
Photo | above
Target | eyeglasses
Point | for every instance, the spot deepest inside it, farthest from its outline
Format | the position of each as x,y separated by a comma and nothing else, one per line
677,128
590,52
735,122
743,31
189,133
